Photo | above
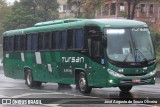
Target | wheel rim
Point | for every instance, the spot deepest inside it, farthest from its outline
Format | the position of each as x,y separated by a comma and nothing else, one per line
82,84
29,79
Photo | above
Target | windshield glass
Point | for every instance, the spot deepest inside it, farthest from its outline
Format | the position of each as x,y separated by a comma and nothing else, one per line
129,45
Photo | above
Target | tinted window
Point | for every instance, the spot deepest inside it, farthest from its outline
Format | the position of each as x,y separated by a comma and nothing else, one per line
55,40
41,39
22,42
70,39
11,43
32,42
29,42
44,40
79,39
17,42
97,48
63,39
47,41
8,43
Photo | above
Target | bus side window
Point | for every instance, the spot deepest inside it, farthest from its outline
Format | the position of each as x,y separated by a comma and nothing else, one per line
17,42
47,41
63,39
29,40
97,49
34,42
79,39
70,39
22,42
40,40
7,44
11,43
55,39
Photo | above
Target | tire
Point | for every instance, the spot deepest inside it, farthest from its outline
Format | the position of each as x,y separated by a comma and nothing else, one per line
83,84
125,88
29,80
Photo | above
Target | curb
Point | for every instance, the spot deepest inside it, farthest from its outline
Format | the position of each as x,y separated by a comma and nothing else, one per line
1,67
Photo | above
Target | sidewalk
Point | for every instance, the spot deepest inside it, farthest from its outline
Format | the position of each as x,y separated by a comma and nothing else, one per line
158,80
1,65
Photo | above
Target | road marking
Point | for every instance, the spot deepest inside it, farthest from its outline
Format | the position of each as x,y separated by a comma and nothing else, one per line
12,88
2,96
21,95
52,105
48,92
27,94
148,105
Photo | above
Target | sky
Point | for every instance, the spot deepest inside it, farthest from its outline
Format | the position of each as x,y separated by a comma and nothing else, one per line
10,1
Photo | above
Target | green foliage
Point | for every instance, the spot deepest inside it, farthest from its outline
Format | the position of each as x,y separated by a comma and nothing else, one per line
4,11
89,7
28,12
156,40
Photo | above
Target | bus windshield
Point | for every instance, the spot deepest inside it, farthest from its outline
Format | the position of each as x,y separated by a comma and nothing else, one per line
129,45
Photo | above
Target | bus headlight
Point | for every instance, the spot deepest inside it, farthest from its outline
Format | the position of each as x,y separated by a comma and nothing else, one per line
151,73
115,73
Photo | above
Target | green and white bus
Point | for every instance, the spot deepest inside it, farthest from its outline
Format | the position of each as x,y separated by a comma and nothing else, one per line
91,53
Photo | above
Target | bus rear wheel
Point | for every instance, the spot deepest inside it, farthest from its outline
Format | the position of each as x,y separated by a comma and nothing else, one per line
83,84
125,88
29,80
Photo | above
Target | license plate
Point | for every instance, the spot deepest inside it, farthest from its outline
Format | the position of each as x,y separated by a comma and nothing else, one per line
136,80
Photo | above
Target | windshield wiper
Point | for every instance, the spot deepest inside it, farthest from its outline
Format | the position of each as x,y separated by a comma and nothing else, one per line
126,57
137,50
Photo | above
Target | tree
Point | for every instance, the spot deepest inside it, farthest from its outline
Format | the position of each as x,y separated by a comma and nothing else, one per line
28,12
131,7
85,8
4,11
78,6
90,7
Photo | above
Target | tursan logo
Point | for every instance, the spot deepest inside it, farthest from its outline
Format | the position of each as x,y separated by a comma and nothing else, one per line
73,59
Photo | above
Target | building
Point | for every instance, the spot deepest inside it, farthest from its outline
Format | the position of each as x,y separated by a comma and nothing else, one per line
65,10
148,12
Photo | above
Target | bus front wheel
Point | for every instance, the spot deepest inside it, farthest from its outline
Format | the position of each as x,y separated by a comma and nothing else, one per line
83,84
29,80
125,88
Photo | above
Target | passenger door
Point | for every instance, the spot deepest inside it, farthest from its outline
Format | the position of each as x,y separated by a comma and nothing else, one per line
97,65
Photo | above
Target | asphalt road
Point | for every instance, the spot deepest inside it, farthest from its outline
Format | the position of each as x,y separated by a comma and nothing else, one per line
65,96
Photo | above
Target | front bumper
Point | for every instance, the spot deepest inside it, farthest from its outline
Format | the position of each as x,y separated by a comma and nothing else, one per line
128,80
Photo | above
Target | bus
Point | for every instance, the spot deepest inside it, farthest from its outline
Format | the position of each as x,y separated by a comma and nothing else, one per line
90,53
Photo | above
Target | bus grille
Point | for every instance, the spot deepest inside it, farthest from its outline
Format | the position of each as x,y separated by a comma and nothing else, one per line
142,74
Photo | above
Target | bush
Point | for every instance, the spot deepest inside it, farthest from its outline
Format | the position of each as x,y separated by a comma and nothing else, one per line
156,41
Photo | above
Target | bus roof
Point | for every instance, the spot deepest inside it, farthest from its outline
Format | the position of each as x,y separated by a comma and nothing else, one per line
76,23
